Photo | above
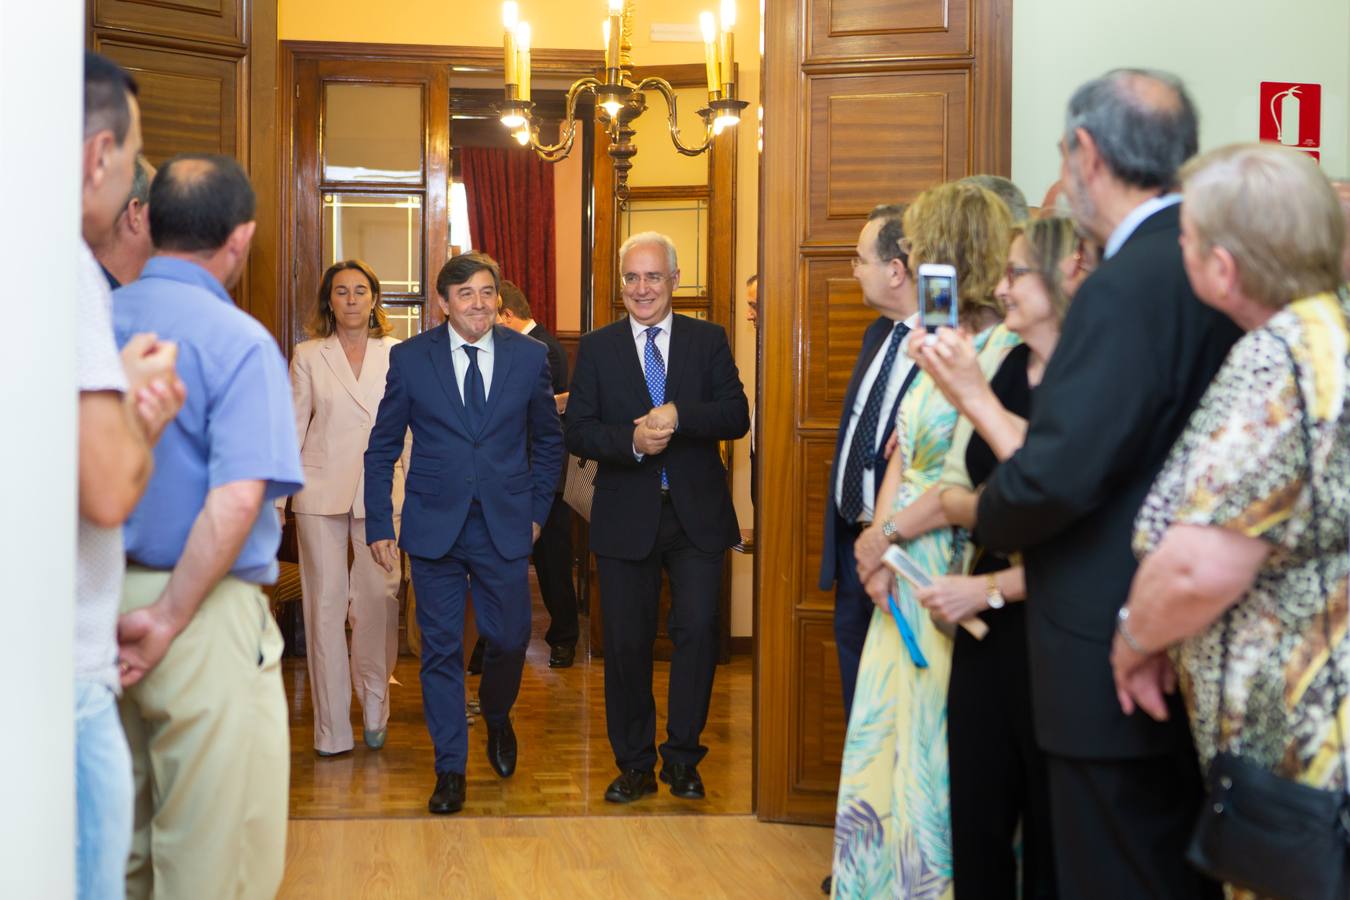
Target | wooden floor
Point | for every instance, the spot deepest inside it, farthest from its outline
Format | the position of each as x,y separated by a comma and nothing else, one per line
565,762
650,856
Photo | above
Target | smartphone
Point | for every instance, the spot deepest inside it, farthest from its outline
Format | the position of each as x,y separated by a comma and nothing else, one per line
937,297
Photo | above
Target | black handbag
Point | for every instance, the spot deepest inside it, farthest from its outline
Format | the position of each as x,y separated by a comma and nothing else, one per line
1268,834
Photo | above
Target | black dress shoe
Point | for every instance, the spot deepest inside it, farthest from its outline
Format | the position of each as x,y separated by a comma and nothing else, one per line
561,656
476,658
631,785
683,780
449,794
501,749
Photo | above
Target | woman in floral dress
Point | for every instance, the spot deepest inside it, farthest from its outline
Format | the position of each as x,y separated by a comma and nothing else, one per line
893,822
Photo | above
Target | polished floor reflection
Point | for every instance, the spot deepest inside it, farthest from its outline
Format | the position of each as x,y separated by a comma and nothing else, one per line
565,761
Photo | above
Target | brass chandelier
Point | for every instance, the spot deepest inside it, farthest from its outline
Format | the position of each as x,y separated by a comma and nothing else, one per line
619,100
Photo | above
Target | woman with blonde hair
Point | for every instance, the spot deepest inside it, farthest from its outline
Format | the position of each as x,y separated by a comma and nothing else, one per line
892,825
337,380
1241,590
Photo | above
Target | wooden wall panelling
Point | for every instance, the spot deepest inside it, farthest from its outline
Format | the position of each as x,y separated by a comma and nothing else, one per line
214,21
865,102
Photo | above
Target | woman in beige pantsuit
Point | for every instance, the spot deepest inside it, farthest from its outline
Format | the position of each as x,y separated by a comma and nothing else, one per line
337,380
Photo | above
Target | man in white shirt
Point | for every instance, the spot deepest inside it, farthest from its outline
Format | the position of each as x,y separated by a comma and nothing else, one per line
125,402
880,376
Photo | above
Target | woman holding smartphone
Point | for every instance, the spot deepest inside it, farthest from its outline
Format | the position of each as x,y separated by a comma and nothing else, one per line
892,826
997,772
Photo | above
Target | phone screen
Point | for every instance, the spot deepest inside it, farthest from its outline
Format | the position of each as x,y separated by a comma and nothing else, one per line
938,292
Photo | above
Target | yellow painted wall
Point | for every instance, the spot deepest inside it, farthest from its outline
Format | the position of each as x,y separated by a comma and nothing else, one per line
576,25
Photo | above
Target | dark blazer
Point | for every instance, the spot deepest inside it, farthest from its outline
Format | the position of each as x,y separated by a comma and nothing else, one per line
609,391
451,464
1137,351
557,364
874,338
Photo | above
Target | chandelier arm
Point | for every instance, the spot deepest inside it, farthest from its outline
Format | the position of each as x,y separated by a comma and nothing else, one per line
665,90
567,129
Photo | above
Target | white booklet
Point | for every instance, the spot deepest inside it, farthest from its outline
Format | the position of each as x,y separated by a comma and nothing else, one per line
902,564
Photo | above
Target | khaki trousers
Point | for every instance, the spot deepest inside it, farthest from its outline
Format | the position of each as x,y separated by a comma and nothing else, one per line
210,751
367,597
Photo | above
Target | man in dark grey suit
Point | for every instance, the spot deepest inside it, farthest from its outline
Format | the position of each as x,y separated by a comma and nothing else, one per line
1138,350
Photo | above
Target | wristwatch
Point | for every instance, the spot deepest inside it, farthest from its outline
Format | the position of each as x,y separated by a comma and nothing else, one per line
890,531
992,595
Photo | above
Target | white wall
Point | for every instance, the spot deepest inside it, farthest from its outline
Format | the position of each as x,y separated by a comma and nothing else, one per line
39,150
1221,48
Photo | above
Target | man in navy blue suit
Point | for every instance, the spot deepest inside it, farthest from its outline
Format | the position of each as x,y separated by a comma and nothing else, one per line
486,455
880,377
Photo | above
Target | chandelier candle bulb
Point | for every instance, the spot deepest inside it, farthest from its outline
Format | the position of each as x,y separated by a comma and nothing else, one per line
510,16
523,49
728,62
705,21
613,34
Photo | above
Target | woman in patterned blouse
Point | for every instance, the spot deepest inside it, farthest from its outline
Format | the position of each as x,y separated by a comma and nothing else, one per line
1227,536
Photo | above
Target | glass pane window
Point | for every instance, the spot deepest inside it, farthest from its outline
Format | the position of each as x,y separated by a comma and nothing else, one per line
685,221
406,319
384,230
372,133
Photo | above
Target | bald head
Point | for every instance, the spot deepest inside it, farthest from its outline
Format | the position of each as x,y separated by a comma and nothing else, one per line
197,201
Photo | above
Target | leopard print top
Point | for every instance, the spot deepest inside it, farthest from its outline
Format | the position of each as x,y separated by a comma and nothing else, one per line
1241,464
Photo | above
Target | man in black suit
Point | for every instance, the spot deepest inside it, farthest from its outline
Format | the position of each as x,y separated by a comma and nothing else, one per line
880,376
552,554
653,395
1137,351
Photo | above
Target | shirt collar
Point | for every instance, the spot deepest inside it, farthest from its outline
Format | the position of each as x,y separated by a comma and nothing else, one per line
1136,218
181,270
640,330
530,327
484,343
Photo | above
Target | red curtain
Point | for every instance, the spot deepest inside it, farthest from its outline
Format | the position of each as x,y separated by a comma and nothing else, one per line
510,197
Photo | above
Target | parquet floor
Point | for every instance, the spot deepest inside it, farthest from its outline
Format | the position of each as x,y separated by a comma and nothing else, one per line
565,761
635,857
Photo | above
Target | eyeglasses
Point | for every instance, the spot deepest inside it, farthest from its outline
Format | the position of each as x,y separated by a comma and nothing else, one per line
1012,273
653,279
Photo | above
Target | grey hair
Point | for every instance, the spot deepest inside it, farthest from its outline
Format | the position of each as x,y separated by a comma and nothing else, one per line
891,216
1006,191
651,237
140,182
1143,134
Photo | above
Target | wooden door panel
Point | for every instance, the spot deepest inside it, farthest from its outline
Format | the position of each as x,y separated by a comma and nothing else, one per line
820,725
189,103
817,453
834,319
880,138
217,21
887,29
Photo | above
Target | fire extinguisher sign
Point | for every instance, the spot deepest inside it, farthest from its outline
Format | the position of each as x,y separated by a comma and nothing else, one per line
1291,114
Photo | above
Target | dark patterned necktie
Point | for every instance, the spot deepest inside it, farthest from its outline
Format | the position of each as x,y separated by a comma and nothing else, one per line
862,452
654,367
475,397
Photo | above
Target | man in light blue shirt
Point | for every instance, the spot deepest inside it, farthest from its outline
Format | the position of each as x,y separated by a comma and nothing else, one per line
204,709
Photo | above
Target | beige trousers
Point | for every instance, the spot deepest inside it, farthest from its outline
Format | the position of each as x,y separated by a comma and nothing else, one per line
210,751
367,597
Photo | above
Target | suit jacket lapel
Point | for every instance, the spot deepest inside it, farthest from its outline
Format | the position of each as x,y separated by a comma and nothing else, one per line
332,353
503,352
628,359
674,368
445,370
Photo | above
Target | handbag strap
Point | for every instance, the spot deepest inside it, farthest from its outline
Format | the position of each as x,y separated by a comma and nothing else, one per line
1305,426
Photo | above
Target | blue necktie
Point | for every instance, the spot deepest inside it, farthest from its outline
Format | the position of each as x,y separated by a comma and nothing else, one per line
475,398
654,368
862,452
